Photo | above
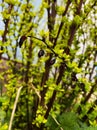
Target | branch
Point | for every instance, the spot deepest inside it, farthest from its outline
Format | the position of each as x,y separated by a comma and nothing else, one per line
49,16
14,108
27,80
90,110
49,48
57,123
50,104
73,27
79,7
36,91
6,21
62,23
86,98
62,58
53,13
46,45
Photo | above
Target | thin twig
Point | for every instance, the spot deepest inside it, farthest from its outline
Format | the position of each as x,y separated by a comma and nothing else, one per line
49,47
14,108
57,122
46,45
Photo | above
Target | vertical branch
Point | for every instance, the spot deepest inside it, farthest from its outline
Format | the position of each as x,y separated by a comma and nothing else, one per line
53,13
62,23
52,99
79,7
62,67
45,78
50,104
15,50
51,21
27,80
73,27
6,21
49,16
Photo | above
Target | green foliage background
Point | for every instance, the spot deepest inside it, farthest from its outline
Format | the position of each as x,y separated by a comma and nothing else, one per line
59,88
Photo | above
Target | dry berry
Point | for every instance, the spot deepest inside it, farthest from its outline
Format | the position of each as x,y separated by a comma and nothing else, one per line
40,53
22,39
52,61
